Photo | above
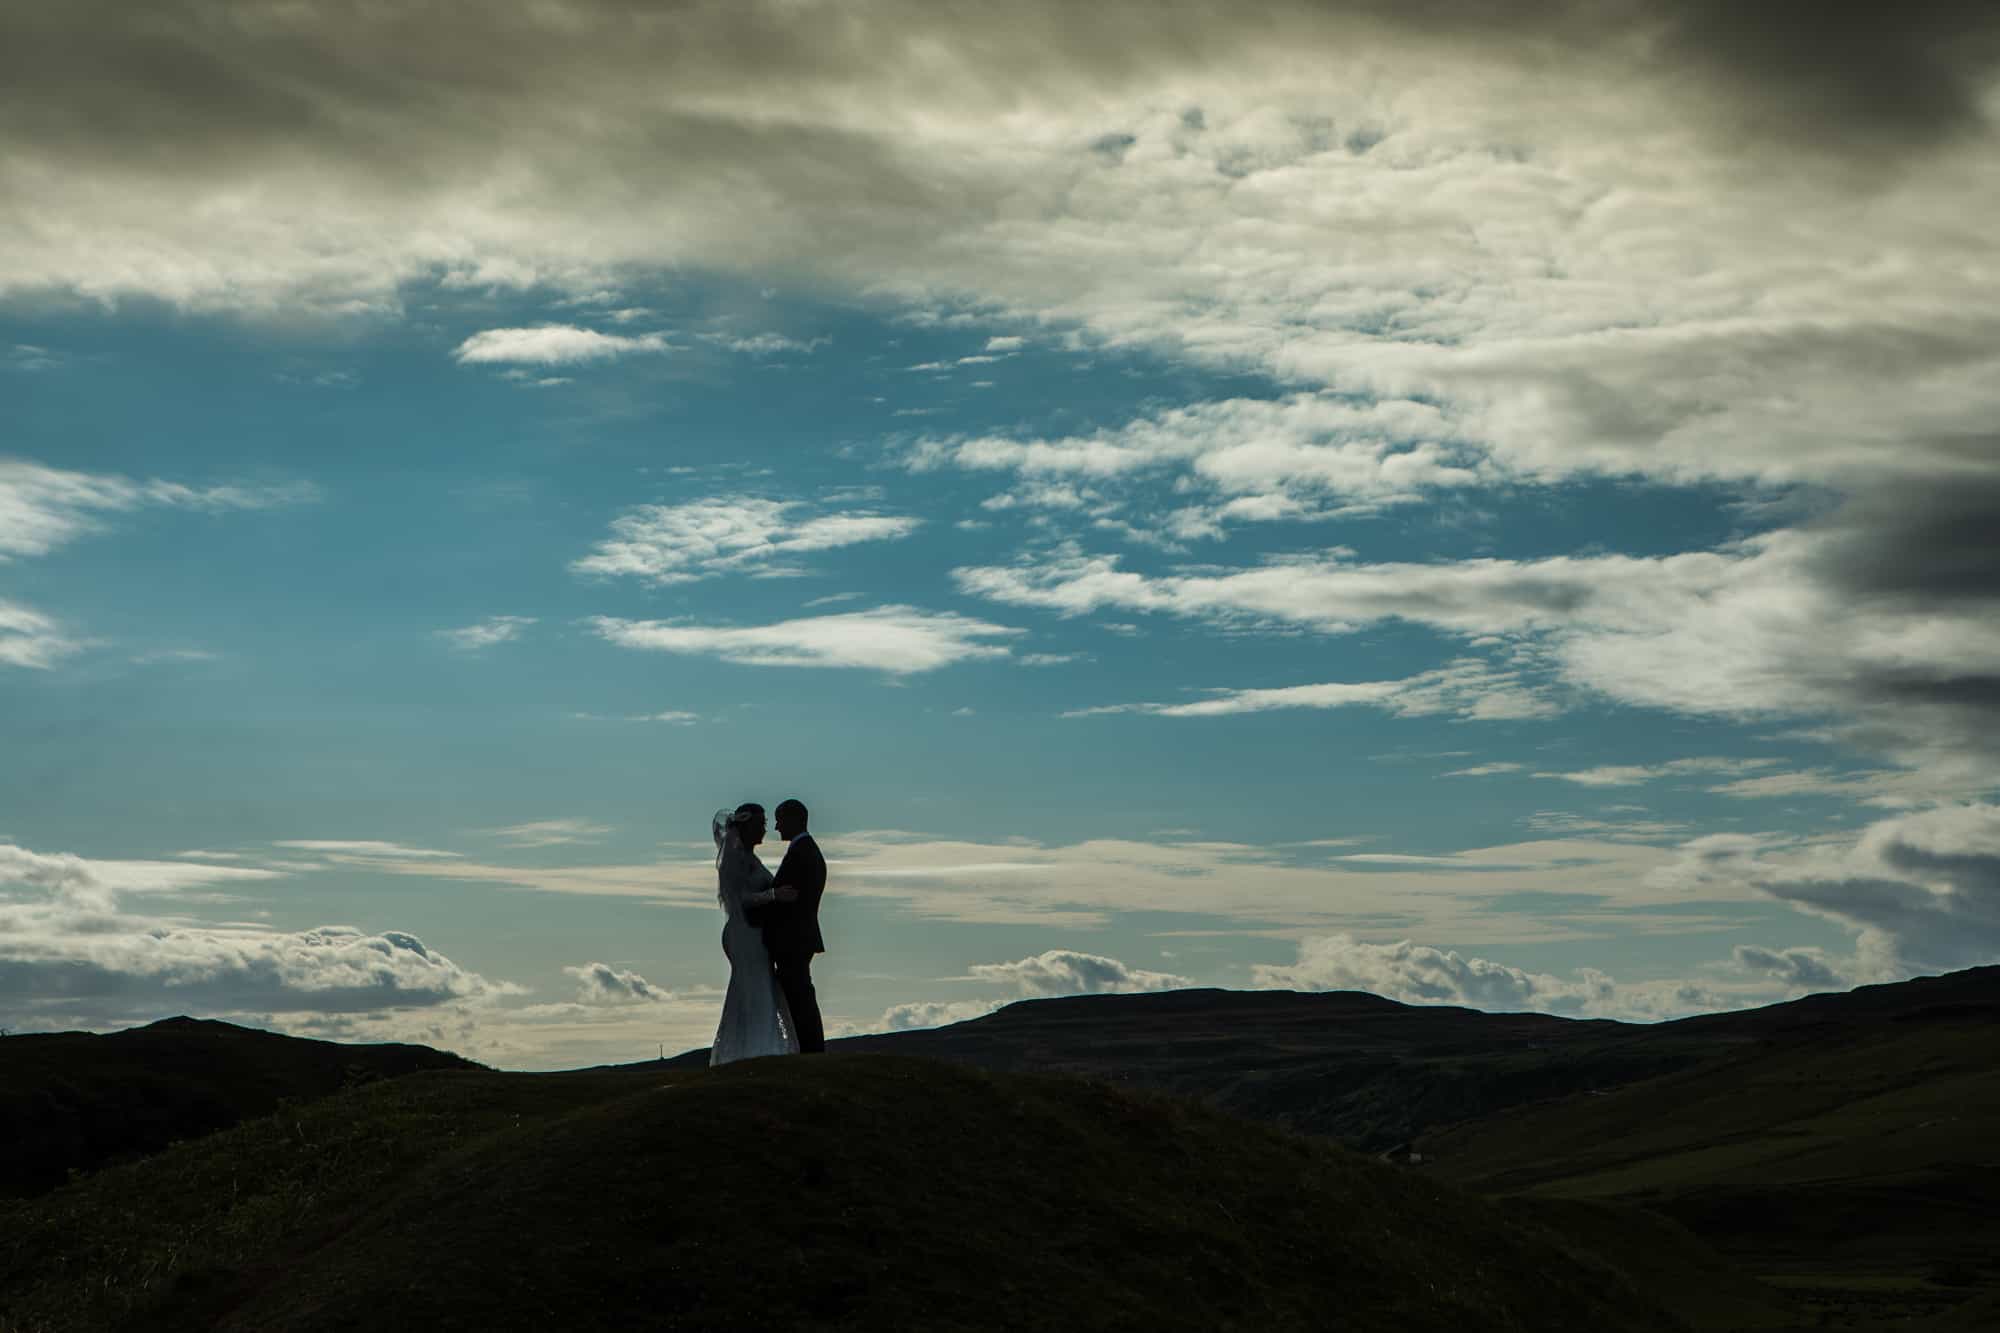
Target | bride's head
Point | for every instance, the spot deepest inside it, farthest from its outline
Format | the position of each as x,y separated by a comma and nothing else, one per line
748,821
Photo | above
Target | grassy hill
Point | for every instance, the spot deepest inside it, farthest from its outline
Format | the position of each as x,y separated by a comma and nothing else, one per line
72,1101
1370,1072
1844,1148
846,1192
1839,1148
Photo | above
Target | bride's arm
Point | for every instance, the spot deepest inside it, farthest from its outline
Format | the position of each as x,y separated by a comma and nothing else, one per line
749,894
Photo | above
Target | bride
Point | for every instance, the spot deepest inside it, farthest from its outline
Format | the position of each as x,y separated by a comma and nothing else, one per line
755,1018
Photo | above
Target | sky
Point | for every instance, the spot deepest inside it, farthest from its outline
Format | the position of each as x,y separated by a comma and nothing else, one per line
1487,504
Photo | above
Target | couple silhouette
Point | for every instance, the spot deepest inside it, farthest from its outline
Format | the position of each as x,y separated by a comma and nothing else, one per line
769,935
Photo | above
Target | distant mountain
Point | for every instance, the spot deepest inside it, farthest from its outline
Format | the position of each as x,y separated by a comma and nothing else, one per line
853,1192
72,1101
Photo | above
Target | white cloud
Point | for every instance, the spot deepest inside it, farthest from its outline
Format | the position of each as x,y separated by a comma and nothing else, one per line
554,345
551,832
1804,968
71,951
1589,240
1006,343
1609,775
664,544
1878,787
1485,770
1564,823
900,640
42,508
1240,886
673,717
1051,973
361,848
1069,972
492,630
932,1014
28,358
1922,888
1886,631
30,639
1466,689
601,983
1304,456
1420,974
1633,775
762,344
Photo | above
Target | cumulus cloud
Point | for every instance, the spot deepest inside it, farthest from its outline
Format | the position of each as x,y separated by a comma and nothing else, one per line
1420,974
1069,972
1304,456
486,633
73,950
899,640
1802,968
1051,973
932,1014
553,345
664,544
1924,887
1509,242
601,983
42,508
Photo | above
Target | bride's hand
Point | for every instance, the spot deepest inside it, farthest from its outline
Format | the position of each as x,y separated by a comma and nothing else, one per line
786,893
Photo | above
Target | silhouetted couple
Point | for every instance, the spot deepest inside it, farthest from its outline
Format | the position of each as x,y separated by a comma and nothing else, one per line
770,937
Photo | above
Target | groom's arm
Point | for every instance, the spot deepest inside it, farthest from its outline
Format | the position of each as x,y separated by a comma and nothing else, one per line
787,876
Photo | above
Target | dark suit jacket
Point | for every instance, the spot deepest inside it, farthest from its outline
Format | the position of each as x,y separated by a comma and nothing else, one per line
793,928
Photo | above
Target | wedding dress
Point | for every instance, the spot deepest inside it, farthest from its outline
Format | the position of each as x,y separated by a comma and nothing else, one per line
755,1019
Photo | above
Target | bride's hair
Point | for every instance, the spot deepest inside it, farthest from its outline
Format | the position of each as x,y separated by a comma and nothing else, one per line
730,851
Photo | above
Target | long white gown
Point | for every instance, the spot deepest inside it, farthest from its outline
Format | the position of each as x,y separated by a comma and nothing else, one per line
755,1019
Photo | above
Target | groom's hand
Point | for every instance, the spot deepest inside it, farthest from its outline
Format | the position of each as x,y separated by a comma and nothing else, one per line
787,894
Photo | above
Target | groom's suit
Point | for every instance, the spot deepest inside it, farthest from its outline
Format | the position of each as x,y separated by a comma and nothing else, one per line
791,935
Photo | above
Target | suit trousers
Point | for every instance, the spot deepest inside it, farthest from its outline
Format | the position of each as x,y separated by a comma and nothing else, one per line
795,979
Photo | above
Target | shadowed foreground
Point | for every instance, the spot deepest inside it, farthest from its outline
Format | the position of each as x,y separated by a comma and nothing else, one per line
852,1191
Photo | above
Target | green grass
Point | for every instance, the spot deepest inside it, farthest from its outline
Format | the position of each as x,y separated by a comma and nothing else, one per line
73,1101
845,1192
1853,1168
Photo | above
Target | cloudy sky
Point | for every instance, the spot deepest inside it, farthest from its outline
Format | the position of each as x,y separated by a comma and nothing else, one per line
1489,503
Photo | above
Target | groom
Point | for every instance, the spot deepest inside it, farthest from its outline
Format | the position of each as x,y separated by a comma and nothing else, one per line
791,924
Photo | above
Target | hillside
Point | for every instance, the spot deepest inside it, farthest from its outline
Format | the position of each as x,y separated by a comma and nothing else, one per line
1838,1147
1368,1071
72,1101
1846,1152
849,1192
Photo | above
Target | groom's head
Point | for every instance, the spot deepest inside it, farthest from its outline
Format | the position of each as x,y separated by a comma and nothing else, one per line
791,819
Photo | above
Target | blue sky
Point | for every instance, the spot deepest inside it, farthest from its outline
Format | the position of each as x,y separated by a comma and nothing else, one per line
1174,528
